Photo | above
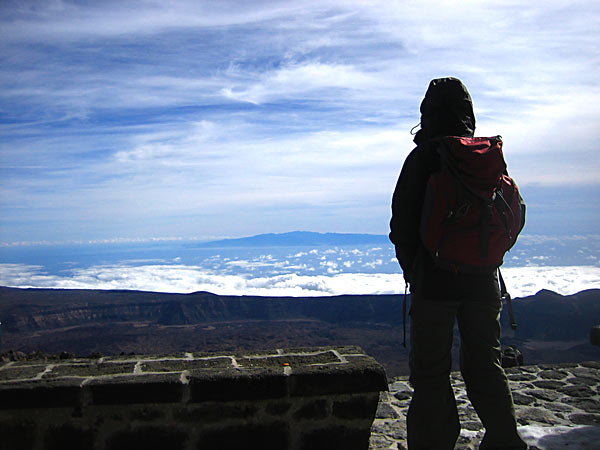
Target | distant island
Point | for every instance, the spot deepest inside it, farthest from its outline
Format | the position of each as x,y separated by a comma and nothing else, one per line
552,328
299,238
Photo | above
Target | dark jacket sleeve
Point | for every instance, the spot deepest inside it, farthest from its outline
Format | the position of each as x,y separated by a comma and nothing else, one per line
407,203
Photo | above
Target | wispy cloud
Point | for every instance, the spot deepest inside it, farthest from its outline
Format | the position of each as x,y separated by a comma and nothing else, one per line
123,118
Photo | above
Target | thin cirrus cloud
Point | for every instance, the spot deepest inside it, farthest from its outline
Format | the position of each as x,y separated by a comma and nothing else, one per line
190,118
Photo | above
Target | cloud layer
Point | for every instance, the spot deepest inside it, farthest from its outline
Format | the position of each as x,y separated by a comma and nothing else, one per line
521,281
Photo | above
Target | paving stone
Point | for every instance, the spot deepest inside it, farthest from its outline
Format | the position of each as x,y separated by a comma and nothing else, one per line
522,399
543,394
591,364
385,411
586,372
547,395
558,407
547,384
585,419
521,377
403,395
583,380
540,415
553,374
576,391
585,404
472,425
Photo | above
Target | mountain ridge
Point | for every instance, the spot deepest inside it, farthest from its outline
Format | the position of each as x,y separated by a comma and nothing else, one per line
298,238
551,328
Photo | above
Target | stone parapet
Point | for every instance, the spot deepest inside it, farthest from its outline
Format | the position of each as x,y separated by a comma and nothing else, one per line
297,399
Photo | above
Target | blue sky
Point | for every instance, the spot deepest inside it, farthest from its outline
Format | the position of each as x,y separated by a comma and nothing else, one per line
212,119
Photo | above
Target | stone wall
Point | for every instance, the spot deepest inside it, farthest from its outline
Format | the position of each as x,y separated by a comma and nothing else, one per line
312,398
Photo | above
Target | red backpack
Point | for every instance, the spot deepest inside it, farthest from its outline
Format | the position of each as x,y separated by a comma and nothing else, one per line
473,212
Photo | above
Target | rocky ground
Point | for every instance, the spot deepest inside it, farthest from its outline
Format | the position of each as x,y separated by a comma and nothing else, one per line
547,397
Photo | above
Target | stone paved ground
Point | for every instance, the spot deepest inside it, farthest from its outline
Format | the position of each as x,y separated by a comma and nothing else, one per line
544,395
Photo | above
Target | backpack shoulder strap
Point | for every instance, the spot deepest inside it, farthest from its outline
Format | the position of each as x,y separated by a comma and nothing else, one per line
505,296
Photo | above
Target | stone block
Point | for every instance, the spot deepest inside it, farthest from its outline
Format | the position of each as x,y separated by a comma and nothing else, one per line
313,410
147,413
237,385
17,434
213,412
21,372
148,438
68,436
356,407
290,360
277,408
267,436
181,365
40,394
90,370
149,388
336,437
367,376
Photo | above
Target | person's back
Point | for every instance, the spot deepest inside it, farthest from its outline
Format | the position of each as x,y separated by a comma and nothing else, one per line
439,297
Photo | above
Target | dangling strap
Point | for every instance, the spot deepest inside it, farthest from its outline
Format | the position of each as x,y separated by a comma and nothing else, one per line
505,296
404,316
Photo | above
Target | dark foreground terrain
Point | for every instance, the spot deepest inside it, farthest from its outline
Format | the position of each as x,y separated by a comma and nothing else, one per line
552,328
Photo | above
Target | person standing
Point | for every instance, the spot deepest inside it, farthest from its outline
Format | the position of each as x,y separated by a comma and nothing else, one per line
441,296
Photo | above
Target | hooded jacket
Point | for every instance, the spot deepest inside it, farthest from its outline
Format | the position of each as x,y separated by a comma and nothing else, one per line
446,110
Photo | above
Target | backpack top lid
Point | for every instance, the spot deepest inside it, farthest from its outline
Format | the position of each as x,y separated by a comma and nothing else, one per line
478,161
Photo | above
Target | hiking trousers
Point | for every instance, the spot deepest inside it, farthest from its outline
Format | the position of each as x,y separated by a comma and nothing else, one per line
432,421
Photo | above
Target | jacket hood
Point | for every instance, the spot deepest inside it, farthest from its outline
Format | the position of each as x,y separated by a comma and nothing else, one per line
446,110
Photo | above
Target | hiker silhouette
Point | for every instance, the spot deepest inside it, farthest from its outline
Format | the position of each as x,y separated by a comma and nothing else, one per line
443,293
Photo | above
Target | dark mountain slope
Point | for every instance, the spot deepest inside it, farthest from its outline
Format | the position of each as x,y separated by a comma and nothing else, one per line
551,328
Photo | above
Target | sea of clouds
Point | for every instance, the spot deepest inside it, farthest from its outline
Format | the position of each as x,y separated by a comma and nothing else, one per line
289,271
